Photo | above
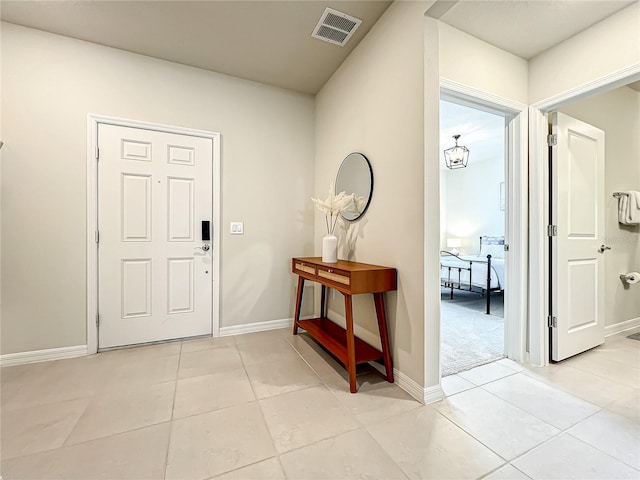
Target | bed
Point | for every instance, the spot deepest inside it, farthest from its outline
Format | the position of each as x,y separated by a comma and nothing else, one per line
482,273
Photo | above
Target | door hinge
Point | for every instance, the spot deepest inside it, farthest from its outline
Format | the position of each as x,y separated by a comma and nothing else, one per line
97,153
97,319
552,139
552,230
506,247
97,236
552,322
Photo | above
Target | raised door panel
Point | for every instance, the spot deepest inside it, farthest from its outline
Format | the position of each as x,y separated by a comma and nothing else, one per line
180,285
136,288
135,207
181,192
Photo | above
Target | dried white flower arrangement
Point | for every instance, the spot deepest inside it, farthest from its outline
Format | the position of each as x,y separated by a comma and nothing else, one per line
333,206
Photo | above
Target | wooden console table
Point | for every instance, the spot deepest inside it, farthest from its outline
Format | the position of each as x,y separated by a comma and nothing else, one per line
349,278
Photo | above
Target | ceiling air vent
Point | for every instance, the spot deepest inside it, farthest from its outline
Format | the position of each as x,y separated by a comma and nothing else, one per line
335,27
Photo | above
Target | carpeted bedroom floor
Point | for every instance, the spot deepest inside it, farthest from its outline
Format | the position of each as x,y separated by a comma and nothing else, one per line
470,337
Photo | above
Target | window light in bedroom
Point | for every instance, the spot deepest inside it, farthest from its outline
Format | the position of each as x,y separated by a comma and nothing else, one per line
456,157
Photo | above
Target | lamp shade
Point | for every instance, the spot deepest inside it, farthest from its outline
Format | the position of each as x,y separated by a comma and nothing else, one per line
454,242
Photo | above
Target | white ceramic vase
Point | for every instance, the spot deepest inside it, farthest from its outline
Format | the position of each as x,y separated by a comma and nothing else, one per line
330,248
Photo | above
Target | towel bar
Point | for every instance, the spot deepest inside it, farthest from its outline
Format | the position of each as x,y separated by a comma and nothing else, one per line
619,194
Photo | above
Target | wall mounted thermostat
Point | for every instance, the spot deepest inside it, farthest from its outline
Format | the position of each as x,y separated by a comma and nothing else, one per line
237,228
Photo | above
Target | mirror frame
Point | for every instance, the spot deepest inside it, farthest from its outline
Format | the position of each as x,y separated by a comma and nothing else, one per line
368,163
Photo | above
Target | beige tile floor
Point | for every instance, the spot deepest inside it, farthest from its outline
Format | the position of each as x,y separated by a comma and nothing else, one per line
273,406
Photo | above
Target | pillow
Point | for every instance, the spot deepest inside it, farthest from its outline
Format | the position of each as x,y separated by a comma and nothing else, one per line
493,246
496,251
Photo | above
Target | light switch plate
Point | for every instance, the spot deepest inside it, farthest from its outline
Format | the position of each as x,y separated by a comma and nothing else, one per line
237,228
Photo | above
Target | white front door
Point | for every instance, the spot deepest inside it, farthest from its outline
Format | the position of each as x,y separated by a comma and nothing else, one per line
577,262
154,276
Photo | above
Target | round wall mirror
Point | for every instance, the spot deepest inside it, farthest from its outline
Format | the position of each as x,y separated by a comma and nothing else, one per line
355,176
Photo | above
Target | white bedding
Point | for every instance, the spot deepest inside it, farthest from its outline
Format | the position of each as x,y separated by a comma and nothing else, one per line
478,270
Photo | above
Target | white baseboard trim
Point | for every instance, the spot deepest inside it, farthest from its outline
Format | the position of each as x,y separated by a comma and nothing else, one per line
424,395
433,394
255,327
35,356
409,385
621,327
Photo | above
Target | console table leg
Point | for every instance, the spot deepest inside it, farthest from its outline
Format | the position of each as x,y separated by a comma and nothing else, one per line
323,301
351,344
384,334
296,317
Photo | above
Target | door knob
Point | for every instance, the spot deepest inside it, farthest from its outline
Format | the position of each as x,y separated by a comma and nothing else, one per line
205,247
603,248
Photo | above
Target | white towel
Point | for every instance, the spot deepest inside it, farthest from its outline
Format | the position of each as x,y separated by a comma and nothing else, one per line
629,208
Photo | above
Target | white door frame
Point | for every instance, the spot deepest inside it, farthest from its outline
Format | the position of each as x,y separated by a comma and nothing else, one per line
517,198
539,198
93,121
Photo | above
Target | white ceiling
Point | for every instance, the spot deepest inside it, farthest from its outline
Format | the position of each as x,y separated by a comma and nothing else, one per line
265,41
481,132
524,27
270,41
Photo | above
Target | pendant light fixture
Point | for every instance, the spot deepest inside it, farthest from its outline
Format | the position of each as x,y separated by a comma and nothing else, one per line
456,157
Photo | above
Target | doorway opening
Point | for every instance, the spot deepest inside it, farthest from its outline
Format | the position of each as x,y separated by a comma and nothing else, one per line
589,299
152,273
472,237
540,312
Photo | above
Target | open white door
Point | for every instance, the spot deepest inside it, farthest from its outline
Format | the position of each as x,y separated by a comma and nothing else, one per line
577,259
155,275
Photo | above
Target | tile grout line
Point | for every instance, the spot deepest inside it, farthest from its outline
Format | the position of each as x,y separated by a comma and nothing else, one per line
264,419
173,407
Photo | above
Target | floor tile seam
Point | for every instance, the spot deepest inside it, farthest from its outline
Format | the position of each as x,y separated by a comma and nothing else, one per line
63,445
502,466
601,451
490,381
281,360
525,412
315,442
394,415
562,429
565,389
323,382
84,442
208,347
215,477
560,386
260,409
214,409
4,409
600,375
212,374
173,408
375,440
261,362
75,424
457,425
555,437
608,409
342,405
258,399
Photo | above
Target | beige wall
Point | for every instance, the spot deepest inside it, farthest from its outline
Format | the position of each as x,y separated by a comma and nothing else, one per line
49,85
376,103
617,113
475,63
373,104
608,46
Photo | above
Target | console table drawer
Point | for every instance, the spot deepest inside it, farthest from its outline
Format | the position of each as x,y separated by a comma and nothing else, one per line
304,268
334,275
